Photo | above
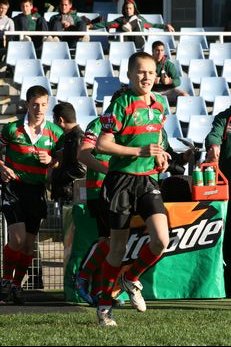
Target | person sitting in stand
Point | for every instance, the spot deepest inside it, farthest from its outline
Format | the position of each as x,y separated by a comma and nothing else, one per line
131,21
30,20
167,79
68,20
6,23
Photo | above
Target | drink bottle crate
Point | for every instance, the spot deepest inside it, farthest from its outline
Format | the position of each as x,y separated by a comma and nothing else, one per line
220,191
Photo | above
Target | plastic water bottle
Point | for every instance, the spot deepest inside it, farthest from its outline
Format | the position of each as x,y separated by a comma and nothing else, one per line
197,176
163,74
209,176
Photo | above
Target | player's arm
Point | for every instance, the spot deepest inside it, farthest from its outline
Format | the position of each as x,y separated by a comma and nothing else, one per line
86,157
106,144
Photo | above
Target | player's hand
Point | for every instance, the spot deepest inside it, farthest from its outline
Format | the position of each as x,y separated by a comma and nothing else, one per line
44,157
7,174
162,161
150,150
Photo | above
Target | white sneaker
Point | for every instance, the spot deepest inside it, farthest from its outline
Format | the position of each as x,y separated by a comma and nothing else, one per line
51,39
26,38
56,39
134,292
47,39
127,27
85,38
105,316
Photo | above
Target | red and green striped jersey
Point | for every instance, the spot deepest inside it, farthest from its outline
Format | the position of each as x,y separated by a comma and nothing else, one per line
134,124
94,179
21,154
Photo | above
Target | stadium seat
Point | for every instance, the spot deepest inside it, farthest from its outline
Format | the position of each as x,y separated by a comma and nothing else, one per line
210,87
103,39
218,52
198,128
194,39
153,18
199,68
178,67
186,85
88,50
54,50
71,86
166,39
52,101
188,105
15,13
187,51
177,145
84,106
27,67
168,109
63,68
106,102
89,15
112,16
226,70
20,50
221,103
172,126
123,71
30,81
120,50
47,15
104,86
97,68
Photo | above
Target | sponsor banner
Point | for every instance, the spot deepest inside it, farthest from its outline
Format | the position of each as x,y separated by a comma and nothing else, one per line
192,265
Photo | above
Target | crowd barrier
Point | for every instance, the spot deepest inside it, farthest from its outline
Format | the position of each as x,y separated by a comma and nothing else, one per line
219,34
192,266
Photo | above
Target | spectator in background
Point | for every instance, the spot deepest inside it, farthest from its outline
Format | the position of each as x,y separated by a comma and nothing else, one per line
167,79
68,20
6,23
70,168
30,20
131,21
30,146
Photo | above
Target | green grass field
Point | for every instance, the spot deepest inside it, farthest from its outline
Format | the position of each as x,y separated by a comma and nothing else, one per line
165,323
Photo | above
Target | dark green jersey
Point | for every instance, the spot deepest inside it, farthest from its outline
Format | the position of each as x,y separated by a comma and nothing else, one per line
134,124
220,134
22,155
94,179
170,69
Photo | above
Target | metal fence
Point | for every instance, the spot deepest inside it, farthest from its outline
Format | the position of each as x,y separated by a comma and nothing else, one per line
46,271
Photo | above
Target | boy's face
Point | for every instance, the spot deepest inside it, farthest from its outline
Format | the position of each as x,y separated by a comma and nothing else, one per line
37,108
65,6
26,7
129,9
3,9
158,53
142,76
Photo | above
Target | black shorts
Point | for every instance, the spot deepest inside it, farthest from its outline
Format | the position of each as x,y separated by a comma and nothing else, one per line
101,217
125,195
24,203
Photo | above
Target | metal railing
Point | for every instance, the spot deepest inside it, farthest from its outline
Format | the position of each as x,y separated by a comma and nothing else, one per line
121,35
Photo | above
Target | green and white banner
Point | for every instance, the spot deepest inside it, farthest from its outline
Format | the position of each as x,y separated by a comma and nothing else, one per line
192,266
